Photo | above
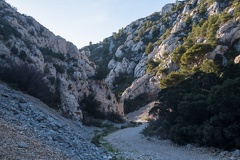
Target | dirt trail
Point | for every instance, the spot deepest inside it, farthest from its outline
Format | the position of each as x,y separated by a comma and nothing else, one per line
133,145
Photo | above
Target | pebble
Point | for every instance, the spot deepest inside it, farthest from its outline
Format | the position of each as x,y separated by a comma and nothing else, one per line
22,145
70,139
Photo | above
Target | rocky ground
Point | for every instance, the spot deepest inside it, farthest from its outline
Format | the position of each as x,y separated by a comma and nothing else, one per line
132,145
31,130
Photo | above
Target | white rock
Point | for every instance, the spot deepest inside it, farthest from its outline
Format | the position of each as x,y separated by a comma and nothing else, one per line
186,9
112,64
167,45
179,26
231,10
144,84
122,66
213,9
119,53
131,67
138,46
237,60
140,68
218,50
4,51
104,95
110,78
229,32
166,8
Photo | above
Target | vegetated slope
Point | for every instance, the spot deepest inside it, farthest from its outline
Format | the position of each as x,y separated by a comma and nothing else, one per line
31,130
185,36
32,57
200,102
188,48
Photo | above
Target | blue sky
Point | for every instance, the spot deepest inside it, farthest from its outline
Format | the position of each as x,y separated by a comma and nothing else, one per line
82,21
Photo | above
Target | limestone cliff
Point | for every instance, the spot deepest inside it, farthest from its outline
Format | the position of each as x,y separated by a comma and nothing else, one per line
68,72
130,68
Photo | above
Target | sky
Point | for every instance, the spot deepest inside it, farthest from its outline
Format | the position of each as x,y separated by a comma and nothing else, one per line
82,21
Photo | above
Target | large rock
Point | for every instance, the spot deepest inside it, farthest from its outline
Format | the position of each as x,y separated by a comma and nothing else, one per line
214,8
179,26
166,8
119,53
237,60
167,46
229,32
108,100
145,84
140,68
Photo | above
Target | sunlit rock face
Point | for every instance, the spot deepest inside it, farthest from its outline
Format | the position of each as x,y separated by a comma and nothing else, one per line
166,30
122,66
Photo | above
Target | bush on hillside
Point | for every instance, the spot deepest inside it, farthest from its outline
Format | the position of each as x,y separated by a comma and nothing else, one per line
92,111
136,103
202,109
29,79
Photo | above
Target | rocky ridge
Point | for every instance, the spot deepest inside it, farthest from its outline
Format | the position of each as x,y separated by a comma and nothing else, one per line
125,51
68,72
34,131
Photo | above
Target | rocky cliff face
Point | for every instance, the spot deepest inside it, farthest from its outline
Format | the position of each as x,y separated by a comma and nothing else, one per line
128,63
68,72
126,54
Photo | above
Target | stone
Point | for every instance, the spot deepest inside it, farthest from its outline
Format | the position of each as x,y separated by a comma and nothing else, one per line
213,9
112,64
65,136
140,69
167,45
179,26
119,53
142,85
237,59
22,145
166,8
186,9
229,32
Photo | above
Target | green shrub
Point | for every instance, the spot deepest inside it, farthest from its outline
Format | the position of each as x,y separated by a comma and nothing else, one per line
136,103
7,30
209,66
172,79
177,53
59,68
151,65
149,48
166,34
121,82
49,54
200,109
194,56
92,107
29,79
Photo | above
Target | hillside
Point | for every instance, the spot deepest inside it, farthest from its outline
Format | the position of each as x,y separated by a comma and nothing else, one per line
29,51
137,61
184,60
31,130
185,57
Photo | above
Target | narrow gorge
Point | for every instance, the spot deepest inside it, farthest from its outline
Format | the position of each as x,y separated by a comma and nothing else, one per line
183,62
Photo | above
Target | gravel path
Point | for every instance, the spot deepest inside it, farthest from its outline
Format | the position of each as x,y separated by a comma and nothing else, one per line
133,145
